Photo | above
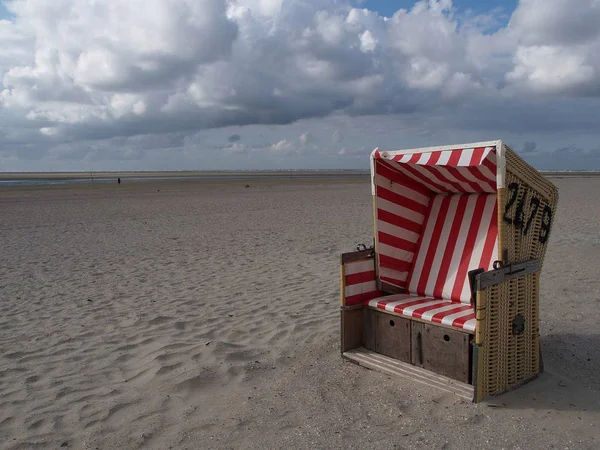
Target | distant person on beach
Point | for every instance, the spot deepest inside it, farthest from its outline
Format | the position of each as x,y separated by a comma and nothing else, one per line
119,180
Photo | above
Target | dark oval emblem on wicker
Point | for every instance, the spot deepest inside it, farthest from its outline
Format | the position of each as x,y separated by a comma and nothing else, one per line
518,324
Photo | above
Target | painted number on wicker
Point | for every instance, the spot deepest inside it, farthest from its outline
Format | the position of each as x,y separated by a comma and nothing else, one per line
546,221
519,219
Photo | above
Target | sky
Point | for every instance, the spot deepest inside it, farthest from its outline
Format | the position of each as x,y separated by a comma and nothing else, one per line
464,7
291,84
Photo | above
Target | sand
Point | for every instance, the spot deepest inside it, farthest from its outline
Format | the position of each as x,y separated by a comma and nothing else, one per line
205,315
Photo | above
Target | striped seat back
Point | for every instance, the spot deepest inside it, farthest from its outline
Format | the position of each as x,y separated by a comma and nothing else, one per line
460,234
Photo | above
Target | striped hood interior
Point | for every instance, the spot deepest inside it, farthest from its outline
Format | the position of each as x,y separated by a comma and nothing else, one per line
436,218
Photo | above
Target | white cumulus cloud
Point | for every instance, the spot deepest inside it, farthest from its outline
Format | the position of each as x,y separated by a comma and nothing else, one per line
79,71
558,46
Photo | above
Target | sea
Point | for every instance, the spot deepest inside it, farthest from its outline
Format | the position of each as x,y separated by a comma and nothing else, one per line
42,181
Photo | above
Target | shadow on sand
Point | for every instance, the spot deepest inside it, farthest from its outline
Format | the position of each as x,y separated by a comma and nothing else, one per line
570,381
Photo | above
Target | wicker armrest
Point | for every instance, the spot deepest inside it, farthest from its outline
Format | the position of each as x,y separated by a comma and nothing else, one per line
506,273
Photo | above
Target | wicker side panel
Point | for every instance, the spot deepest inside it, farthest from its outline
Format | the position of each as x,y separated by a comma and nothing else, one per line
528,173
526,209
507,360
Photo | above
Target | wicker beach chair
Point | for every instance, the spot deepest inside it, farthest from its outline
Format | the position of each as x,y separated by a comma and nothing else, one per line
449,292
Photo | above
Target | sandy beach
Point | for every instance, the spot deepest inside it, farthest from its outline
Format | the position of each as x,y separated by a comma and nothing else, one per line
205,315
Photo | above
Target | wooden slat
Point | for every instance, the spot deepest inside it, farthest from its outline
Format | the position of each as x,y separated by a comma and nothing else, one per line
358,255
384,364
440,148
351,329
389,288
369,329
352,307
342,285
477,379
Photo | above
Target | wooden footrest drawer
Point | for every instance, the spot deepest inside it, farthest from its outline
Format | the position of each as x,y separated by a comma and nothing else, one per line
387,334
442,351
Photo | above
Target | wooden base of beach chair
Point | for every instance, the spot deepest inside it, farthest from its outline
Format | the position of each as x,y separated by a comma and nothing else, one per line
431,347
385,364
351,328
445,352
386,334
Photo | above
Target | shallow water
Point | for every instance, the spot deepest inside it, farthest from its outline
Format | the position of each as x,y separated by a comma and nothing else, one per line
54,181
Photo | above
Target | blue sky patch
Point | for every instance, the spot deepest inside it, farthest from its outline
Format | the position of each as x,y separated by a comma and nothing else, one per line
4,13
387,7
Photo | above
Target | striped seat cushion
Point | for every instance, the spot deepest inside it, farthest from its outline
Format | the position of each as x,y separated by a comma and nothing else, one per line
445,312
460,234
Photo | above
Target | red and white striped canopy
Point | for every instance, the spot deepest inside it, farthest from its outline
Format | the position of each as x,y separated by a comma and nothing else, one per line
467,168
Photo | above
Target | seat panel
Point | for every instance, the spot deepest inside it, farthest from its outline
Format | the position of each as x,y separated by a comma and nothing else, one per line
445,312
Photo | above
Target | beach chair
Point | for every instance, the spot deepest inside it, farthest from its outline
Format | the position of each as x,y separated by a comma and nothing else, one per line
448,294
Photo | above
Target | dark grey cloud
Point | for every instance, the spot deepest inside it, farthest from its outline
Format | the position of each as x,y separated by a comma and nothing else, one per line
570,150
234,138
529,147
566,158
523,115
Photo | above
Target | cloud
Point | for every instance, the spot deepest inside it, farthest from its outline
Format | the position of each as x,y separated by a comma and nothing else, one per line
122,104
337,137
557,23
236,149
283,147
553,69
353,152
74,73
558,47
280,148
571,149
367,42
179,62
529,147
305,138
569,157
